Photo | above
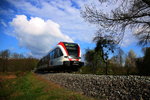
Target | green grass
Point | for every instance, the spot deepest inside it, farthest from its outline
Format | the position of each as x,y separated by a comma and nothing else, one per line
31,87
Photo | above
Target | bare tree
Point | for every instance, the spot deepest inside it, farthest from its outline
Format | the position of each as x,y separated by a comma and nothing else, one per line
119,57
17,56
133,14
5,55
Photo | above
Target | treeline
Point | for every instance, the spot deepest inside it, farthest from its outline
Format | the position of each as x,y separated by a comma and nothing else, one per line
10,62
119,64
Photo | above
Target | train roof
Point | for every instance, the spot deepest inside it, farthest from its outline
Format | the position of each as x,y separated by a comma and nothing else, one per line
58,44
67,43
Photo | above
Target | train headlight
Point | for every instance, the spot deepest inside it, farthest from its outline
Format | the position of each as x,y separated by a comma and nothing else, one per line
70,57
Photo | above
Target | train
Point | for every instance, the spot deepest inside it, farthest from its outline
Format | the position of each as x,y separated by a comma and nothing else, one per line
66,56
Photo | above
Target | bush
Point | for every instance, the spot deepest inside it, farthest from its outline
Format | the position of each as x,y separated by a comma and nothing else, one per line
112,70
25,64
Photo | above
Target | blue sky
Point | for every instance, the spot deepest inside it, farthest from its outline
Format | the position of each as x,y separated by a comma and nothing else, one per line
33,27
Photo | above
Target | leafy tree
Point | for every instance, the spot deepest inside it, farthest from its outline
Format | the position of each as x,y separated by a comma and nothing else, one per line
130,60
131,55
133,14
143,63
92,60
104,46
89,57
146,61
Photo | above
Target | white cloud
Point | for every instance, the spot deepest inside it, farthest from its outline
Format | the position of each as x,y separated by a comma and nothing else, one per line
36,34
128,39
62,12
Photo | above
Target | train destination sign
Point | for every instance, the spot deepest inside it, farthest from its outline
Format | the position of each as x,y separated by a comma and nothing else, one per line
70,44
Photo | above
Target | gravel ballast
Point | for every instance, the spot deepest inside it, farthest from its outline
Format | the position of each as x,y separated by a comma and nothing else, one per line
104,86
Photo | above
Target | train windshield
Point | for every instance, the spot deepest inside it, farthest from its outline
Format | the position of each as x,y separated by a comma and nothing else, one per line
72,49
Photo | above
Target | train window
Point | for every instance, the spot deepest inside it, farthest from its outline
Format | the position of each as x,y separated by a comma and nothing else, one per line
73,53
47,58
59,52
51,54
55,53
72,49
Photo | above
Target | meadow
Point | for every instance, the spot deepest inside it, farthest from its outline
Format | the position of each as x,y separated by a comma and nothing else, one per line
29,86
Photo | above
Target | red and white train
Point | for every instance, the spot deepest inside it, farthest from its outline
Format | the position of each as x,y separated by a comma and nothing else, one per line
65,56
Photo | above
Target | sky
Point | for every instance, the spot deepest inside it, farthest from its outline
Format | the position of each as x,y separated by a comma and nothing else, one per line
33,27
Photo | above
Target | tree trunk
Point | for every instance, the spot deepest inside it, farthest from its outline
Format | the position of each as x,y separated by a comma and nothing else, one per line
4,65
106,68
128,70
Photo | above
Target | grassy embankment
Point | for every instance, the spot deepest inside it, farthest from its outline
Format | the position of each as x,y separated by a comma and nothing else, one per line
27,86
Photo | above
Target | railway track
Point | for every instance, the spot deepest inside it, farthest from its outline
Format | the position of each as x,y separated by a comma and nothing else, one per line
104,86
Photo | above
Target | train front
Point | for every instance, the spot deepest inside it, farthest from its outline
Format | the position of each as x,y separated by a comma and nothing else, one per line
72,54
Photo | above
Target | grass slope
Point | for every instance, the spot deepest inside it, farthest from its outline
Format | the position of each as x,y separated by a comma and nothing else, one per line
27,86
